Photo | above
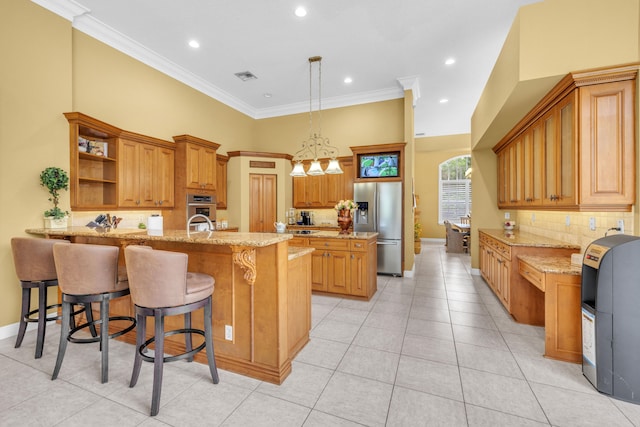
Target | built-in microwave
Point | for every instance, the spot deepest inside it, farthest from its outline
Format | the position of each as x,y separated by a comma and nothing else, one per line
202,204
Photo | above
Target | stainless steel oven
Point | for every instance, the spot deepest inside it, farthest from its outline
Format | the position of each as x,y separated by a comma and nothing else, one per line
202,204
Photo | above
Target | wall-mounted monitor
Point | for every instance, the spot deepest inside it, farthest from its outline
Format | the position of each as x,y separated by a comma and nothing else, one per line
382,165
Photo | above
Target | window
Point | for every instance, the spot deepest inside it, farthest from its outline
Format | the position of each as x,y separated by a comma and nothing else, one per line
454,188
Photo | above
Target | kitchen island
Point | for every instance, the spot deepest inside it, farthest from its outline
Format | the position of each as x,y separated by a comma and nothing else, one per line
262,297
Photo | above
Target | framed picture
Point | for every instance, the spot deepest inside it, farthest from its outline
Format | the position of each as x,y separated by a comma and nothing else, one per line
98,148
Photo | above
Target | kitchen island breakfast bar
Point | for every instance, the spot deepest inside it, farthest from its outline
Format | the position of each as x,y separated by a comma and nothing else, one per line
261,301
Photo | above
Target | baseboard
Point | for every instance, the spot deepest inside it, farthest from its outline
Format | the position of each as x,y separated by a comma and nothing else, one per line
410,273
475,272
11,330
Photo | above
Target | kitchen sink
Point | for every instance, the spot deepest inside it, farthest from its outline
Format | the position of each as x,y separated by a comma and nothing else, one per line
303,231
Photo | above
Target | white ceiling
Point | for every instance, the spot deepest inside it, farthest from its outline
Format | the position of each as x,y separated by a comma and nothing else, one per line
376,42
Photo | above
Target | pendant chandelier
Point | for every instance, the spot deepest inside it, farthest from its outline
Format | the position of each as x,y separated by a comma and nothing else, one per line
316,145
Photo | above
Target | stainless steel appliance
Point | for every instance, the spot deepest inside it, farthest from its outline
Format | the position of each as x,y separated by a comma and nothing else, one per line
380,210
611,315
202,204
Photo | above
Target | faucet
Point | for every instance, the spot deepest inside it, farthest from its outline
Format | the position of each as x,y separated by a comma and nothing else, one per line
209,223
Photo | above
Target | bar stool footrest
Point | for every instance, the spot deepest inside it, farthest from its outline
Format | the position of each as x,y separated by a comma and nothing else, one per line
181,356
73,339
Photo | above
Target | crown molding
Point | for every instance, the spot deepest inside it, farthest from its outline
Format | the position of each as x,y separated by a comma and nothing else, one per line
411,83
328,103
68,9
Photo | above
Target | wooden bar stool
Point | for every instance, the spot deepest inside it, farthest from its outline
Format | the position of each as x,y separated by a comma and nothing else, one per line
33,260
88,274
161,286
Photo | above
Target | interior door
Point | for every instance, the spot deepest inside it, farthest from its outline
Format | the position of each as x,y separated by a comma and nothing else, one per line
262,202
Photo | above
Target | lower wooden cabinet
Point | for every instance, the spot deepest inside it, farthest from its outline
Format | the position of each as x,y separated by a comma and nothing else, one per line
342,266
498,267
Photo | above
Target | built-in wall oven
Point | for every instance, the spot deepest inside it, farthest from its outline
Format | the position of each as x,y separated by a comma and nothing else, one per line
202,204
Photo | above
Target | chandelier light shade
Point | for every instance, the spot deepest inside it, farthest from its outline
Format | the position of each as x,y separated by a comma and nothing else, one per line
316,145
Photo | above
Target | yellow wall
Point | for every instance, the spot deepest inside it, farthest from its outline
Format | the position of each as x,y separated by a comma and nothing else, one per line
34,91
430,152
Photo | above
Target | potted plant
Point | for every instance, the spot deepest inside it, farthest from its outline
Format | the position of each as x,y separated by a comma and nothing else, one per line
417,231
55,179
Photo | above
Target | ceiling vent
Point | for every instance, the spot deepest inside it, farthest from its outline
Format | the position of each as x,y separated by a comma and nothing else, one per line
245,75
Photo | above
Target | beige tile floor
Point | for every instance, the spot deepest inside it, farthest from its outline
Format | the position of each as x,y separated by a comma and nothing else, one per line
434,350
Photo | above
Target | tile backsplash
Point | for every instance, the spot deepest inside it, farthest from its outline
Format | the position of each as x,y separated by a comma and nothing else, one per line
571,227
130,219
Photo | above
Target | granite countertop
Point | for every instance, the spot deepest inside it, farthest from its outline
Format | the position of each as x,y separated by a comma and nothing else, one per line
518,238
335,235
201,237
553,265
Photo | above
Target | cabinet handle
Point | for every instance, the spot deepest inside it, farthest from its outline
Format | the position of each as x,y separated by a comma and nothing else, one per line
137,202
358,245
160,202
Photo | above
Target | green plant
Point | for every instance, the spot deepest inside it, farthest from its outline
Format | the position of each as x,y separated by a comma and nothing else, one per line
55,179
417,231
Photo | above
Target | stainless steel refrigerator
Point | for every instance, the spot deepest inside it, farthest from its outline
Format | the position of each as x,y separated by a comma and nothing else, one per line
380,210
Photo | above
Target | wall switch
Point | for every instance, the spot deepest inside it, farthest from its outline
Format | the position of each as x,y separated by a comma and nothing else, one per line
592,223
567,220
507,215
228,332
533,218
621,225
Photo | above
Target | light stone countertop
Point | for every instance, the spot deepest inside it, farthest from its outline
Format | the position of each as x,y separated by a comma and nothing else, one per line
182,236
298,251
335,235
553,265
518,238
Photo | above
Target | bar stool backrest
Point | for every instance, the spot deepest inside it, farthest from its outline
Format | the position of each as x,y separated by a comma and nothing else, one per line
33,258
85,269
156,278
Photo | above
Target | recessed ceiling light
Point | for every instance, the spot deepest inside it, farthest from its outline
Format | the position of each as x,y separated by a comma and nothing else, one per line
267,95
300,12
444,101
450,61
348,80
194,44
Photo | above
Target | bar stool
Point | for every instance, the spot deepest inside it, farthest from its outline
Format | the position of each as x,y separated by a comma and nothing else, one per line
88,274
161,286
33,260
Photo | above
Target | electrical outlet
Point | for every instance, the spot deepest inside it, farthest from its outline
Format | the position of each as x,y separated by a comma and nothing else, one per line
533,218
228,332
621,225
507,215
567,220
592,223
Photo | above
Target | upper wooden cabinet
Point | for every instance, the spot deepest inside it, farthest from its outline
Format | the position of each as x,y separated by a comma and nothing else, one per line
324,191
145,172
576,149
221,181
196,163
93,178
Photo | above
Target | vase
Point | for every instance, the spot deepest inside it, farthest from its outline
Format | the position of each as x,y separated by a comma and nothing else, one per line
344,220
51,222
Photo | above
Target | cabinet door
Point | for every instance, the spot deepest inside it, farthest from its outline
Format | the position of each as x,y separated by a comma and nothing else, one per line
607,144
128,175
567,179
262,202
503,271
314,191
318,271
503,177
358,272
208,161
333,189
299,192
221,183
348,178
338,269
484,261
532,166
515,168
164,191
146,171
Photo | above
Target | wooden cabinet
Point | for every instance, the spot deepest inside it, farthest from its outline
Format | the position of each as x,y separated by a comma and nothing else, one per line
263,192
576,149
93,178
342,266
562,303
145,172
221,181
498,266
195,173
324,191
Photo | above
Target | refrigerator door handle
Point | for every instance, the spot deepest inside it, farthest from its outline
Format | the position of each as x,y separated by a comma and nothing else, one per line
386,243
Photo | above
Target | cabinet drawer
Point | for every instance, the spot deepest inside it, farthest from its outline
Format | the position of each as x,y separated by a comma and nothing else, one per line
358,245
502,249
299,241
532,275
333,244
